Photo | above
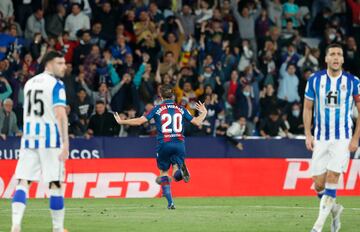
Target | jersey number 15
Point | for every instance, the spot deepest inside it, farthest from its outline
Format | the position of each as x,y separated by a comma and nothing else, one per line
34,103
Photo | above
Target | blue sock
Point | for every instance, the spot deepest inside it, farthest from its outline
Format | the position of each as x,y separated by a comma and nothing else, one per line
165,186
178,175
56,202
19,196
320,194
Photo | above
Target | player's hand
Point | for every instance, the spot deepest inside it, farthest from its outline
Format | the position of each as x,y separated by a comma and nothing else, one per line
200,107
64,155
117,118
353,145
309,142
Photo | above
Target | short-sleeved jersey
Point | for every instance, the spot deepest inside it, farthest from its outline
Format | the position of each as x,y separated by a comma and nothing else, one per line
169,121
333,101
41,94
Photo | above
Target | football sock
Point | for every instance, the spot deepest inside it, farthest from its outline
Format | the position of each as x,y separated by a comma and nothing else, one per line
320,193
57,209
19,204
165,186
326,204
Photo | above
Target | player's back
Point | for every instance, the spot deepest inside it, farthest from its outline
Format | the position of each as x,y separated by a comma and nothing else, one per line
169,121
41,94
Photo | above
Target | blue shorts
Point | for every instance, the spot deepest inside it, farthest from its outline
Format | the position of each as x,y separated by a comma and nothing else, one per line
170,153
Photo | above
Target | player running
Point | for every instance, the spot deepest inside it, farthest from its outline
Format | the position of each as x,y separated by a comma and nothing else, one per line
171,148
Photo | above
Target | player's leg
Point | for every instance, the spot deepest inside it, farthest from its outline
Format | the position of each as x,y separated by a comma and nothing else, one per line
27,170
328,199
53,172
337,165
180,171
57,208
19,204
319,162
163,163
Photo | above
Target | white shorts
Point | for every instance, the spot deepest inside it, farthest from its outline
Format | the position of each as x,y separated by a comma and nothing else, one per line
330,155
36,163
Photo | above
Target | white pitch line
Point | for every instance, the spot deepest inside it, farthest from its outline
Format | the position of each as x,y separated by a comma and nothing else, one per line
121,207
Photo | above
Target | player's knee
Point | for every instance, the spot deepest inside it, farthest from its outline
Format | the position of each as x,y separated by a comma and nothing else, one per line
57,184
332,177
319,187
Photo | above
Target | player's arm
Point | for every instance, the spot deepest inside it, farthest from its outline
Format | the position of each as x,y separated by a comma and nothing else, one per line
62,120
199,119
131,122
307,117
354,143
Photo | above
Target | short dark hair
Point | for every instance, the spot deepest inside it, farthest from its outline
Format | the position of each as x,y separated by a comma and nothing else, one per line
167,91
50,56
98,102
333,45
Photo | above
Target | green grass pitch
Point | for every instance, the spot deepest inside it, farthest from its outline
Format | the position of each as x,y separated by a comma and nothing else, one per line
247,214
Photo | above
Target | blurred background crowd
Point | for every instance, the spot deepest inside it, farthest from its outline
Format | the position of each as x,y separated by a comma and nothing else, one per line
248,60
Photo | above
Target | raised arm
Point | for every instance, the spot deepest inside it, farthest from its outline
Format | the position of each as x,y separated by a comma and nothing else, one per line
131,122
199,119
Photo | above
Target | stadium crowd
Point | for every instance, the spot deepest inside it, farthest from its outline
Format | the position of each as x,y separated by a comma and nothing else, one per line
248,60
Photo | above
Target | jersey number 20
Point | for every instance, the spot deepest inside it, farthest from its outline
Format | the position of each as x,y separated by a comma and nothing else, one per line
176,121
35,104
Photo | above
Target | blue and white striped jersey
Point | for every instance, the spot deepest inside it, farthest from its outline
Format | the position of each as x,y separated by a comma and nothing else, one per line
41,94
333,98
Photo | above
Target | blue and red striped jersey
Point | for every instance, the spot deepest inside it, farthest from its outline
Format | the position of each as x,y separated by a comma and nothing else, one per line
169,122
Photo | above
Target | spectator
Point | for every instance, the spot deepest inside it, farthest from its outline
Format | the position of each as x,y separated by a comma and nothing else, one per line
66,46
96,35
76,21
169,65
295,120
187,96
246,106
6,9
144,28
83,108
102,122
5,42
246,57
171,43
5,88
291,11
120,49
268,101
82,50
70,83
188,20
288,83
274,8
8,120
74,123
246,22
352,56
213,107
270,126
237,129
36,24
107,18
54,23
